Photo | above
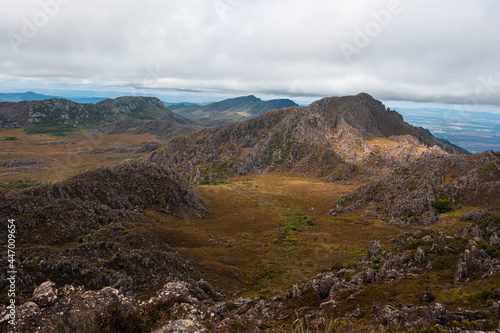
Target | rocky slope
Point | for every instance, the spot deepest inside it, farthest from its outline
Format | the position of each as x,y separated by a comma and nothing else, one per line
230,110
332,300
329,138
60,114
162,129
434,183
92,229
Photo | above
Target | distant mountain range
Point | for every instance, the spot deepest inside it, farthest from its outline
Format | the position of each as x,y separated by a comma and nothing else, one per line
229,110
59,116
473,131
31,96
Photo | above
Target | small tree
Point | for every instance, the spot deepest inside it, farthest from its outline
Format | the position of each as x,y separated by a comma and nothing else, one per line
442,205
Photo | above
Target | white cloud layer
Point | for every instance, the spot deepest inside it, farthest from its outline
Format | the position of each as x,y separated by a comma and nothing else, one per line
431,51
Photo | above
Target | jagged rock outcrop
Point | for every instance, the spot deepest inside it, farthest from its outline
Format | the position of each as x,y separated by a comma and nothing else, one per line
179,306
101,193
377,264
163,129
89,228
323,139
433,183
45,294
475,261
71,308
193,305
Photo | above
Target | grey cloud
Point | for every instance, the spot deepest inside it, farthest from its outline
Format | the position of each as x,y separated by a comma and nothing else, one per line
429,51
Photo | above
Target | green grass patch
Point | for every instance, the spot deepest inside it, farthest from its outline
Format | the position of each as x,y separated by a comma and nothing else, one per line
19,184
272,275
295,222
58,130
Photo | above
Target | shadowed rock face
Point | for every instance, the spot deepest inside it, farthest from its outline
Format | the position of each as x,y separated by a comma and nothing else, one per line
315,139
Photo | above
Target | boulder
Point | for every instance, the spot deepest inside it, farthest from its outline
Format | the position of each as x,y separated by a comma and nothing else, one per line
45,294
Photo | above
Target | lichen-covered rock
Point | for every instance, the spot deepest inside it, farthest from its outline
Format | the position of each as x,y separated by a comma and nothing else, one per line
420,255
45,294
474,261
182,326
374,250
392,316
476,216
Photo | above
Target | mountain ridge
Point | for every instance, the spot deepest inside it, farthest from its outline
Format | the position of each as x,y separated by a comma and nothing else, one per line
62,115
230,110
329,134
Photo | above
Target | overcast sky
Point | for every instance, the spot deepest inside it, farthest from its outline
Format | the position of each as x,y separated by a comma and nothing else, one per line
444,51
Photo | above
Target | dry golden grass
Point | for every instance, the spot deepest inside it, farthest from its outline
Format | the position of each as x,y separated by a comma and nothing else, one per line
390,144
238,247
38,147
382,142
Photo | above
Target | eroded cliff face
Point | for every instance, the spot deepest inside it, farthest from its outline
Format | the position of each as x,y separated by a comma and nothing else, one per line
320,139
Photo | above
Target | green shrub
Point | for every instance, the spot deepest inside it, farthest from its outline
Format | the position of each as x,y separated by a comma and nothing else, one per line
442,205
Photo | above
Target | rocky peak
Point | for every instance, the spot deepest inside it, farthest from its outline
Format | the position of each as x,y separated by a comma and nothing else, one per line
370,118
324,138
125,104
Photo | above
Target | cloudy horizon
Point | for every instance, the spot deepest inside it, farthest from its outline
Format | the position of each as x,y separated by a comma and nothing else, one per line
398,50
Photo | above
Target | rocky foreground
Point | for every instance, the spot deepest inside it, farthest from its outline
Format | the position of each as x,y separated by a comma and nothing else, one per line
190,305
